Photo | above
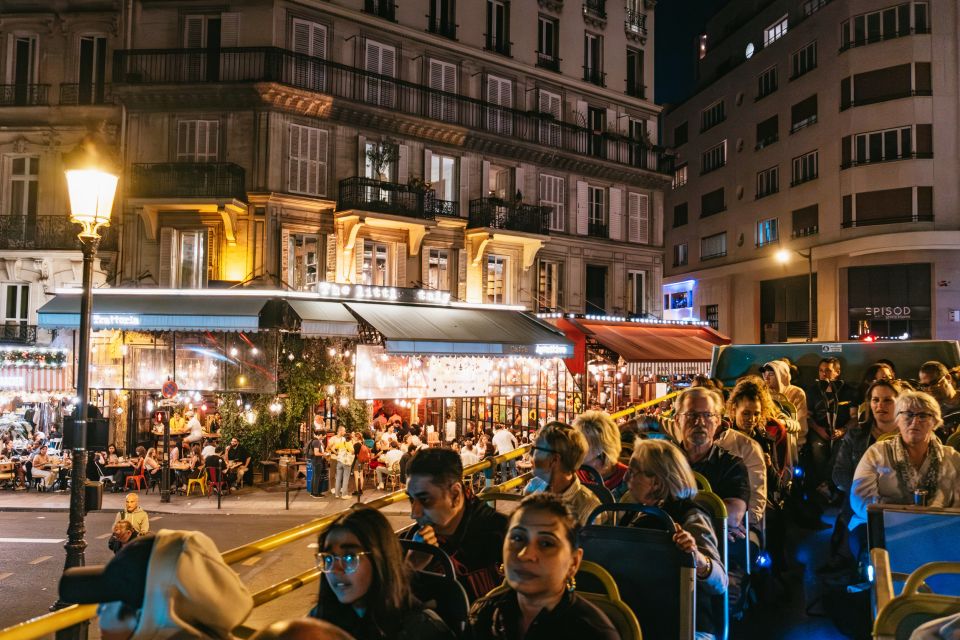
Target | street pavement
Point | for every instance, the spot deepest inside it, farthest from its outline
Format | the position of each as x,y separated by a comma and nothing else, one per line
33,531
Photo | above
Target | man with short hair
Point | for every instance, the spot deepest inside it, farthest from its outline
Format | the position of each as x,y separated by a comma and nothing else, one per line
238,461
135,514
123,532
450,517
935,379
389,458
315,457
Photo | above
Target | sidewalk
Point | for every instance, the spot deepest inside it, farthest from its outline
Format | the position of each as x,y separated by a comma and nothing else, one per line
265,500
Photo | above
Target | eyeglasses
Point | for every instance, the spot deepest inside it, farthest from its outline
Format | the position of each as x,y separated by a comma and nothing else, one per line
931,385
920,417
349,561
701,416
544,449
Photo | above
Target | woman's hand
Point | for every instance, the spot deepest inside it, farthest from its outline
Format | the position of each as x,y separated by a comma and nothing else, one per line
684,540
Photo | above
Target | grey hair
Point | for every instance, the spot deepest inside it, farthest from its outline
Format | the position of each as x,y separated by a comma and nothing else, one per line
919,400
699,392
664,461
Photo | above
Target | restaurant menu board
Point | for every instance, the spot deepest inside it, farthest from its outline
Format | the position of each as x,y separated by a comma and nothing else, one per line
380,375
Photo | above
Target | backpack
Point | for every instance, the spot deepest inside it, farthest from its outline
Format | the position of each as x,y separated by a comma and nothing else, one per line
364,455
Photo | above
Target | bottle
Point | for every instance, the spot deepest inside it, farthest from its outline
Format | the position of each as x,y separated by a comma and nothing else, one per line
920,498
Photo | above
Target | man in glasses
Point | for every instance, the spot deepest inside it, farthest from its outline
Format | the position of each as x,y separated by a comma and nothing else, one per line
935,379
450,517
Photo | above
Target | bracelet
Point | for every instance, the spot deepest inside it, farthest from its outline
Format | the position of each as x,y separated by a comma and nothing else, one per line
709,567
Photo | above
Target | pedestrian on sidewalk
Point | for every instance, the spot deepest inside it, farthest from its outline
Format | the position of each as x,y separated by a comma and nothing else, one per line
341,450
318,463
135,514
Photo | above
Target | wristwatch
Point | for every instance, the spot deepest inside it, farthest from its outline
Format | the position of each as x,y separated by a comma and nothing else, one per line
709,566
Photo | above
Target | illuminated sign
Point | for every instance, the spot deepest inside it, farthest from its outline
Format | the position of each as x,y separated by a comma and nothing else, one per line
382,294
552,350
114,320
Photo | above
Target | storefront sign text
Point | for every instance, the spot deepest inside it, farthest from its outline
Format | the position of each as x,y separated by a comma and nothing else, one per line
552,350
888,313
115,320
388,294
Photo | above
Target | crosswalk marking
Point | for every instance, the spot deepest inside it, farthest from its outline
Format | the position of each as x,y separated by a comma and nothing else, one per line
40,559
33,540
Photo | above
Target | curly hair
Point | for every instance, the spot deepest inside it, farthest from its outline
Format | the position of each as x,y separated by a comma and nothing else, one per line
754,389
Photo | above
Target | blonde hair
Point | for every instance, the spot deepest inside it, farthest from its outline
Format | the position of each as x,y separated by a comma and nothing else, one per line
601,433
664,461
919,400
568,443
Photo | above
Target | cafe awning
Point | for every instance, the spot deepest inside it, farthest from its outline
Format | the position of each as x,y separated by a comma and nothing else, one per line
153,311
636,343
319,318
417,329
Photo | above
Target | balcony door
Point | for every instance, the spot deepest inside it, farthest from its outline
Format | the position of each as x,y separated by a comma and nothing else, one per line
596,290
309,68
211,32
198,140
91,75
500,105
22,74
380,61
442,77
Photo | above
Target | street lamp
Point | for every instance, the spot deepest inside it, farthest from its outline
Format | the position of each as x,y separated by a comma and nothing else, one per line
92,174
783,257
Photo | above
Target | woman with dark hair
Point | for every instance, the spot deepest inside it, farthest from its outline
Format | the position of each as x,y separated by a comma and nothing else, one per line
540,559
876,371
365,589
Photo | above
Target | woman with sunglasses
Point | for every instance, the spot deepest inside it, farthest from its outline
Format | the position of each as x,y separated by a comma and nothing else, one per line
558,451
365,589
540,561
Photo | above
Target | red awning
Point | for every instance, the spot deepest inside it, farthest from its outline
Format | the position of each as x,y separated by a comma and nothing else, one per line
641,343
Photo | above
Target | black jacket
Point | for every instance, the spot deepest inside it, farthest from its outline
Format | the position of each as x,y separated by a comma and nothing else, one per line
498,617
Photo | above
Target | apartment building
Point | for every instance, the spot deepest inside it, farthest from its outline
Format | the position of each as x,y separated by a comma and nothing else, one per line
499,150
53,90
826,132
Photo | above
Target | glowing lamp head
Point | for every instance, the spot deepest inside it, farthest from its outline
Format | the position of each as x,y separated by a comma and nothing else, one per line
782,256
331,389
92,174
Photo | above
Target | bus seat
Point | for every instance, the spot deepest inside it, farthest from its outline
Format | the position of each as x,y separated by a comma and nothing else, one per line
902,614
609,601
438,588
712,503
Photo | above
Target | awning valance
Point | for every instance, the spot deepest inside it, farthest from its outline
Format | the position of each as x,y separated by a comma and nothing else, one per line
413,329
149,311
319,318
669,344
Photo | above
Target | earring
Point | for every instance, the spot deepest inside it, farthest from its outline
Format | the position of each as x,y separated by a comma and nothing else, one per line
501,570
571,584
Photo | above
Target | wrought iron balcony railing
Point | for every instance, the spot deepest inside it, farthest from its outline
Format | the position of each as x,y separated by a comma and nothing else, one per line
595,8
497,213
445,28
16,333
46,232
24,95
548,61
598,229
635,22
866,222
269,64
78,94
187,180
382,8
593,75
370,194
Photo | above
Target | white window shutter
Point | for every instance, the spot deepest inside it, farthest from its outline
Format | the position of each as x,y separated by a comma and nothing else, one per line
361,155
424,266
401,258
331,257
485,178
612,123
293,158
230,29
461,274
186,139
581,207
518,183
285,257
464,177
168,257
193,32
322,149
318,41
403,164
427,161
301,36
644,226
633,217
358,250
616,214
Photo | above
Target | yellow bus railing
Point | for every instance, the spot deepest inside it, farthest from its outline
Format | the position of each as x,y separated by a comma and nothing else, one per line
643,405
76,614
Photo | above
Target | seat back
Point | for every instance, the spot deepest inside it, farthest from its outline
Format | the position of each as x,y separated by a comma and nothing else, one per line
657,581
438,588
901,615
702,483
719,605
622,617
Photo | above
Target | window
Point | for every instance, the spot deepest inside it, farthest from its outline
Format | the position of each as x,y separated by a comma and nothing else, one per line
713,158
881,146
389,173
775,31
638,218
549,102
767,82
680,254
714,246
550,286
805,168
635,86
498,26
499,94
23,185
678,300
803,114
442,77
198,140
380,59
443,20
500,182
184,261
443,177
876,26
680,135
636,293
307,166
712,203
888,206
768,132
23,72
16,307
597,123
593,59
890,83
548,38
438,269
309,39
711,313
304,261
804,60
680,176
553,193
768,231
375,270
712,116
701,46
496,287
680,214
806,221
768,182
812,6
91,71
596,212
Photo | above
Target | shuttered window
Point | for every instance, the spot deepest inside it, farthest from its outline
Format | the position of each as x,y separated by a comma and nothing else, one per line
549,102
553,193
198,140
380,59
803,114
307,160
712,203
806,221
442,76
499,94
310,40
638,218
768,132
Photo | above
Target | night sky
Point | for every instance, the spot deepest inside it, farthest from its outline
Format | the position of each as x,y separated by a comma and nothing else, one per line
678,22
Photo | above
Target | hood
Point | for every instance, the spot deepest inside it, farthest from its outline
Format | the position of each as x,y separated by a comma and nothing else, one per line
782,371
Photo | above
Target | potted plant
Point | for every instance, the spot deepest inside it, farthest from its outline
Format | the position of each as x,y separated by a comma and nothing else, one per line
381,155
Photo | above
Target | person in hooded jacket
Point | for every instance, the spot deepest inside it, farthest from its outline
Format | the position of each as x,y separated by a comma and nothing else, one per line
776,375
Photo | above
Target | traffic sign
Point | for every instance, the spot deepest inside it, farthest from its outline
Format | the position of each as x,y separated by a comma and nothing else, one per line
169,389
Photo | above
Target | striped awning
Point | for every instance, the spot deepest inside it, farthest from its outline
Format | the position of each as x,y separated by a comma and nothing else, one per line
35,379
692,367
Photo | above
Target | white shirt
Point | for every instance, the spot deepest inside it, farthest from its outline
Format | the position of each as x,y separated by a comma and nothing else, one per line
748,450
196,429
391,457
469,457
208,450
504,441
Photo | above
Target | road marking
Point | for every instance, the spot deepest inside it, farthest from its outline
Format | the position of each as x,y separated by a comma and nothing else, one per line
249,562
40,559
312,545
104,536
4,576
156,518
33,540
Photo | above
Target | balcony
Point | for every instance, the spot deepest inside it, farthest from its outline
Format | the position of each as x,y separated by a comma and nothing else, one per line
846,104
713,256
635,24
890,158
598,229
899,33
24,95
636,90
52,232
922,217
766,142
548,61
445,28
804,232
596,9
803,124
178,67
496,213
381,8
370,194
498,45
187,180
85,94
15,333
595,76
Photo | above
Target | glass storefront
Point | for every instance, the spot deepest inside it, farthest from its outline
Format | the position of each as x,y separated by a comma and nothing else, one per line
890,302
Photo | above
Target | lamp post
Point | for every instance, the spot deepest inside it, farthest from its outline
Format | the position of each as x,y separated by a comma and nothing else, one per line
783,256
92,175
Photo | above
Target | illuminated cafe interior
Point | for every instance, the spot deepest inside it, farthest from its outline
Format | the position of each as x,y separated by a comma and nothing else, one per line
416,351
